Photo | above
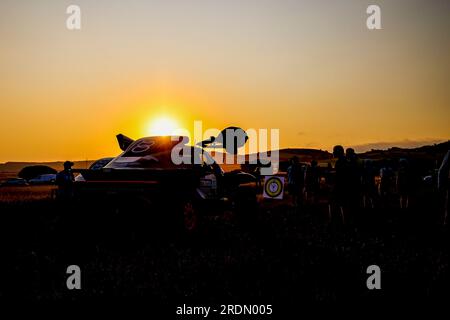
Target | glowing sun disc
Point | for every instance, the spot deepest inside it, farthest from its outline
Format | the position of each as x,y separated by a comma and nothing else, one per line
163,126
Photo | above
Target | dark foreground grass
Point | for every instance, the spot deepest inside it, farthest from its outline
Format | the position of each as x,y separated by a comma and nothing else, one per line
281,256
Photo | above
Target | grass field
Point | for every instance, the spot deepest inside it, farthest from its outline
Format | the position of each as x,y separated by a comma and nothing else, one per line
26,193
284,256
11,194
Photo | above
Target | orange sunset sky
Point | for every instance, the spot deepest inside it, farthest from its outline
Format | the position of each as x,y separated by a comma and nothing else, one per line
309,68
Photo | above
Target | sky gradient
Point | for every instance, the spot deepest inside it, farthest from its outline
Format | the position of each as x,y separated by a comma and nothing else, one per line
309,68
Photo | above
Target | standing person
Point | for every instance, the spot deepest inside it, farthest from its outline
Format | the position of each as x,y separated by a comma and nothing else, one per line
257,173
312,182
64,180
443,184
295,180
385,186
338,193
353,177
353,185
369,187
403,183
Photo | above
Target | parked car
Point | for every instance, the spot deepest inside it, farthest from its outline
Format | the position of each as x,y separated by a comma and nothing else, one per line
14,182
100,163
43,179
96,165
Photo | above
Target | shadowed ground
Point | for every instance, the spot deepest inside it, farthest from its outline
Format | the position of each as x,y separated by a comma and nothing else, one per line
282,255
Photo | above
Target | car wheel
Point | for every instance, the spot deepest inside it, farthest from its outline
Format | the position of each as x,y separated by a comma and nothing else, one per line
190,216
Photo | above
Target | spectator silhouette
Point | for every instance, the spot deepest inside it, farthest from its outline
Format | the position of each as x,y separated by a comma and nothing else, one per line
386,182
338,193
295,180
369,189
443,184
312,182
353,184
403,183
64,180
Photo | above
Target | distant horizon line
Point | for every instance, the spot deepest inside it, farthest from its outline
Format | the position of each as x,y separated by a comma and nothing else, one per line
361,148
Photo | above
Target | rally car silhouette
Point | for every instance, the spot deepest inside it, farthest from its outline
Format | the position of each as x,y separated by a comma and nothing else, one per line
190,188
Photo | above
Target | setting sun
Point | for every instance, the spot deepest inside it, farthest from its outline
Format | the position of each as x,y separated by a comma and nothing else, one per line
162,126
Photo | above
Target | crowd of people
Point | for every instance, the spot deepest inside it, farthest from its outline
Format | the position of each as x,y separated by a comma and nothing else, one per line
353,184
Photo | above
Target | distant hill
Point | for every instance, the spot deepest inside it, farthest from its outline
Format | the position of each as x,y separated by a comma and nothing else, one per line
15,167
305,155
433,152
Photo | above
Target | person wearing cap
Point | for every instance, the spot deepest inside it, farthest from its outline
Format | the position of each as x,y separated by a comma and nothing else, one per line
64,181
